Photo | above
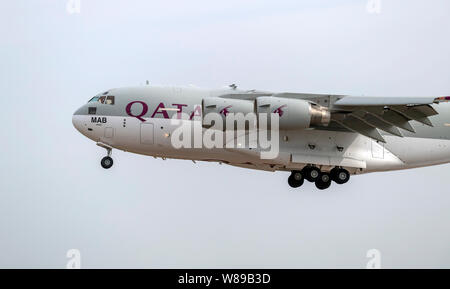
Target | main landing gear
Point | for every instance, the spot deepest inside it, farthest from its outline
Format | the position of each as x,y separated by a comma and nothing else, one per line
106,162
321,179
296,179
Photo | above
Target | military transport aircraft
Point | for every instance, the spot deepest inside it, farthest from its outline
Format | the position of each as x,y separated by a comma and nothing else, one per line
322,138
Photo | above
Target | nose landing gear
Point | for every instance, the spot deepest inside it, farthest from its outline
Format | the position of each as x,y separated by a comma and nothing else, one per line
106,162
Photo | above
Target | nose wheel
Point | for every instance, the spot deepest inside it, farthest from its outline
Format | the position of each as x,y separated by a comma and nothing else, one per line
106,162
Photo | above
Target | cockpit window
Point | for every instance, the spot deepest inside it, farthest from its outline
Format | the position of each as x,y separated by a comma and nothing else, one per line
94,99
100,99
103,99
110,100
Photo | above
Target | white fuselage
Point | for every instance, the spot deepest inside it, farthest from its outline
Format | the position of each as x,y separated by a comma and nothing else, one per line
150,135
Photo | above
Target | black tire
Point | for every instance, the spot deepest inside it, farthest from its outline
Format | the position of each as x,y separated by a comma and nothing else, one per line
324,182
296,179
311,173
340,176
107,162
333,173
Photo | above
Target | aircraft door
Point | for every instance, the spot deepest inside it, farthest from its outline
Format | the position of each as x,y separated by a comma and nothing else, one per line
109,132
147,133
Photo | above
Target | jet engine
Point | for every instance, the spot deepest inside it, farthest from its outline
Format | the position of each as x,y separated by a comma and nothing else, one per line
223,106
294,113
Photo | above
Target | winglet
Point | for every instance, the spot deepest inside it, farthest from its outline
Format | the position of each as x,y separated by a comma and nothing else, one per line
442,99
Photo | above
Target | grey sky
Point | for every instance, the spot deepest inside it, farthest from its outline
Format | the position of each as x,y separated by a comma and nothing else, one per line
154,213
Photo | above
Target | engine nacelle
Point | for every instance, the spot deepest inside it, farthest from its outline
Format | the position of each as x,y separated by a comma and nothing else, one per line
224,106
294,113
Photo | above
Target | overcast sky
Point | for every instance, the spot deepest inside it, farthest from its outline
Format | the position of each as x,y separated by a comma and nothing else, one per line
54,196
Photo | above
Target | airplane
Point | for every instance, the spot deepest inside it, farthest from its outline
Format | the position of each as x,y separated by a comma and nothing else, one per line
322,138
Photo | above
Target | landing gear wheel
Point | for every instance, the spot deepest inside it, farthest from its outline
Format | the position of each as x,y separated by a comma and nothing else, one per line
311,173
340,176
296,179
107,162
324,182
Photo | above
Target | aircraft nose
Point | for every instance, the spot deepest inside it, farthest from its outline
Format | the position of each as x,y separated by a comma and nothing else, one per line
77,120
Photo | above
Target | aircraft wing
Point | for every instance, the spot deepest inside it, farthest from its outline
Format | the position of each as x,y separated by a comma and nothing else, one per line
366,115
369,115
377,101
